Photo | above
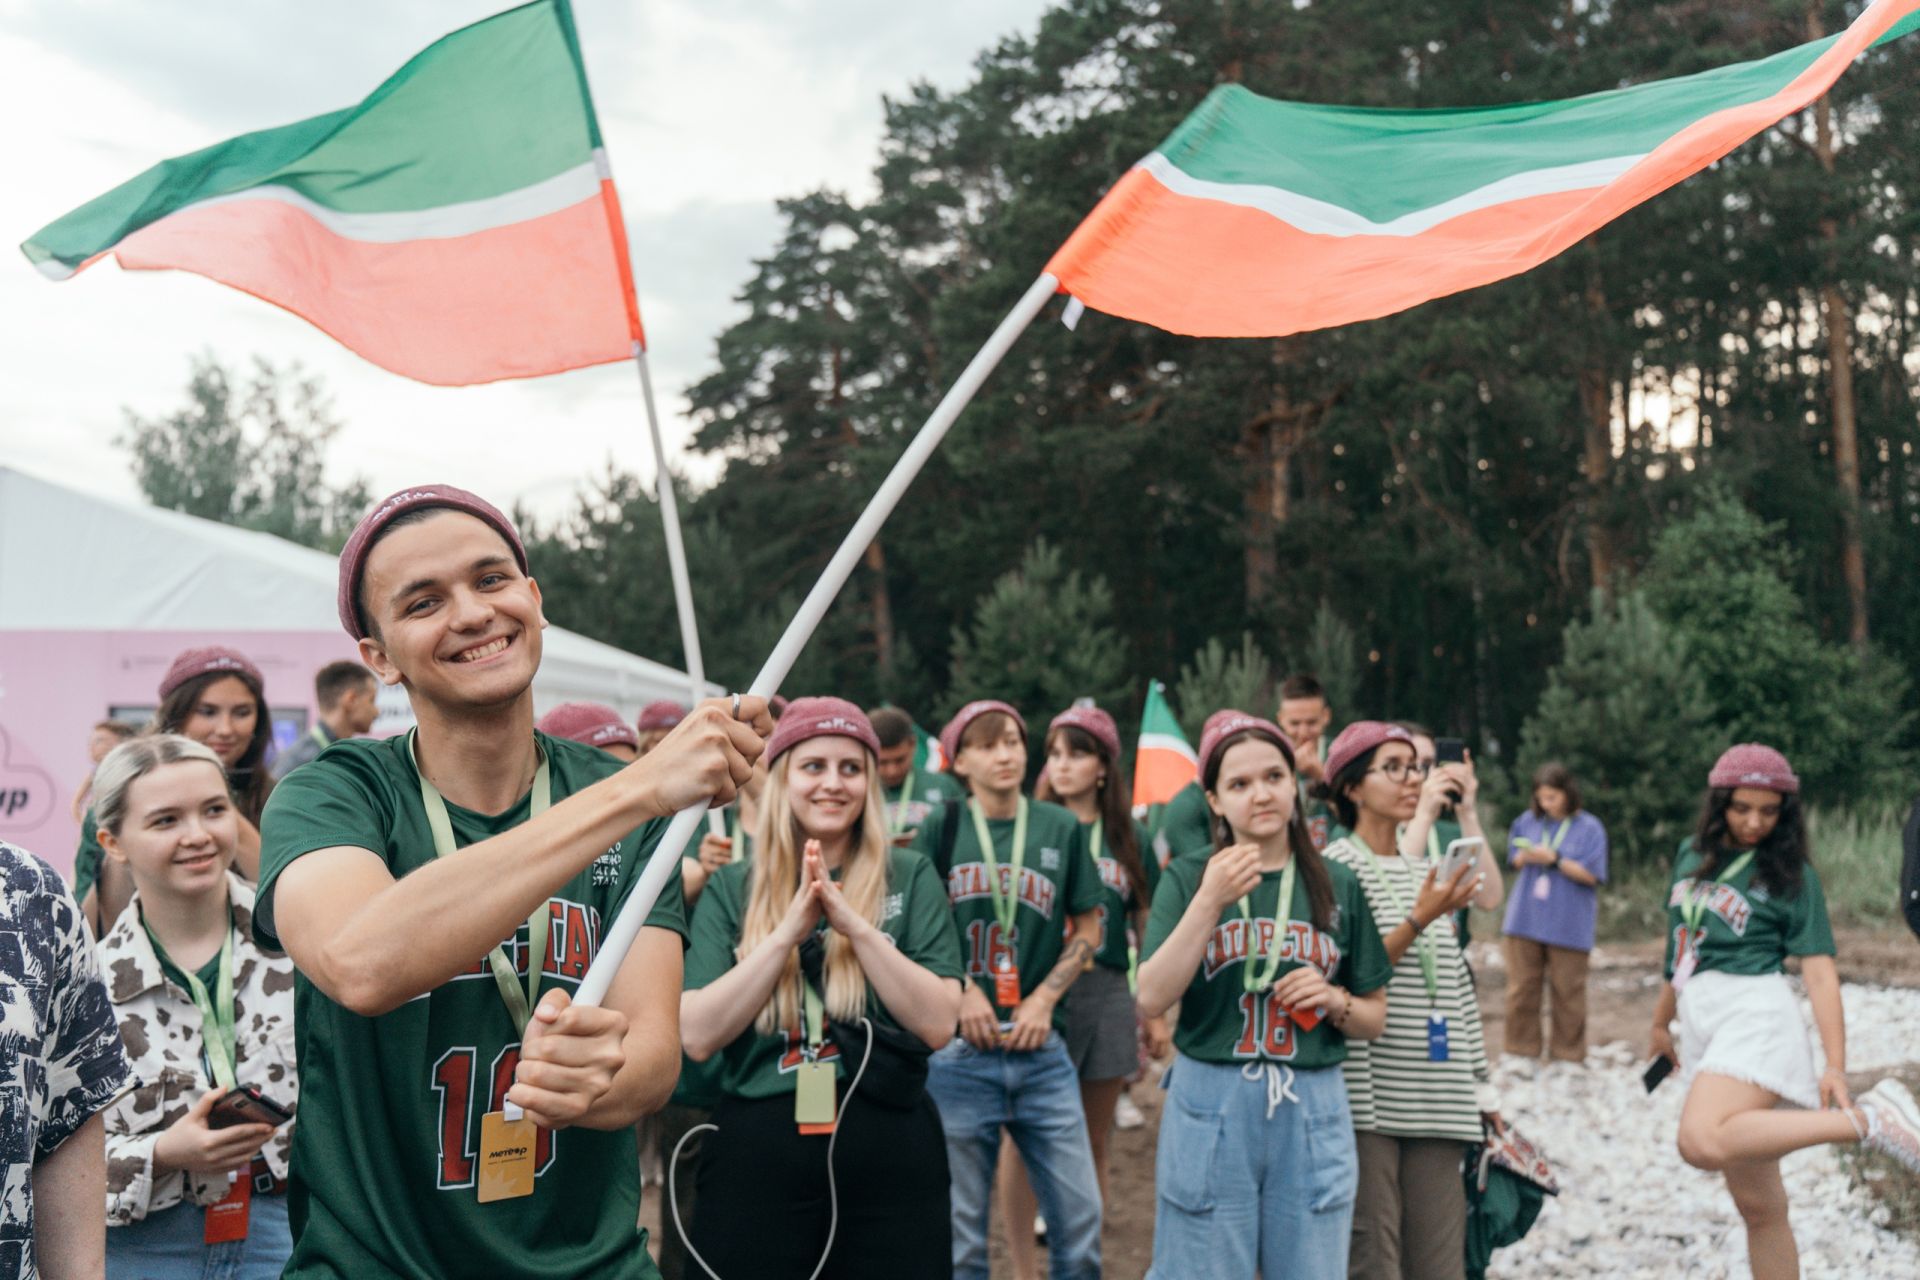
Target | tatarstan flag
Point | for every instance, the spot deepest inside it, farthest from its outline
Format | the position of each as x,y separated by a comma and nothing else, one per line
458,226
1164,763
1261,218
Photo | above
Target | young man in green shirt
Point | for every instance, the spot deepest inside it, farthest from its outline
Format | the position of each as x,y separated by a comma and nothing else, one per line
442,893
1026,897
911,793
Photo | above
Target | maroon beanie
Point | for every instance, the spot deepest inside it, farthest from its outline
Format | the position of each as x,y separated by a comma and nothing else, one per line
593,723
950,736
1222,725
1753,764
1094,721
200,662
807,718
661,715
1359,738
353,556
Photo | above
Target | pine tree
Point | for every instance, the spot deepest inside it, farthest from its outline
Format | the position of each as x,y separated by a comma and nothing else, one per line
1218,678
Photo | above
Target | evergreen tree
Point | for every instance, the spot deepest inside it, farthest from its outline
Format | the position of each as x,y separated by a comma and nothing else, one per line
1627,711
1219,678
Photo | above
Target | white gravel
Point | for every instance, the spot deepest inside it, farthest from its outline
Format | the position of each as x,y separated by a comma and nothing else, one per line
1629,1207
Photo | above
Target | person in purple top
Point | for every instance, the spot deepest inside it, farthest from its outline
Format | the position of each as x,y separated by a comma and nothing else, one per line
1561,851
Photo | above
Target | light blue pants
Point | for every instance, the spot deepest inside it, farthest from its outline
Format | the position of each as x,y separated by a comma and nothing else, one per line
1035,1097
171,1245
1256,1172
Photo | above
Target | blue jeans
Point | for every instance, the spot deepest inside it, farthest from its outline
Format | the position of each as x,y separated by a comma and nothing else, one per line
1255,1173
1035,1097
171,1245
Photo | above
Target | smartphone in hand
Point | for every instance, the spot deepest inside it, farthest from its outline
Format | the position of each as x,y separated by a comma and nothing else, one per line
1460,853
246,1105
1657,1070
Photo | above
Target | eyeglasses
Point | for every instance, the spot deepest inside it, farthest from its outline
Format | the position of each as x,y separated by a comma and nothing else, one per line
1401,770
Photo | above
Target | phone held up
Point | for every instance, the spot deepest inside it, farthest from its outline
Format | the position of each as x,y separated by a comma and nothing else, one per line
1450,751
246,1105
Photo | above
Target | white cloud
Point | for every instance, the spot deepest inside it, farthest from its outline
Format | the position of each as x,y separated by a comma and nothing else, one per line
711,111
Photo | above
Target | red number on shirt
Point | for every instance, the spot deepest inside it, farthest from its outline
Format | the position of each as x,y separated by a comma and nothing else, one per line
986,948
1266,1030
453,1081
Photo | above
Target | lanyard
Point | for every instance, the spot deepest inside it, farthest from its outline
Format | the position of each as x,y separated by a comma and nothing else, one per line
810,1002
1553,842
1423,945
319,734
216,1010
1282,912
899,822
1006,902
519,1004
1695,905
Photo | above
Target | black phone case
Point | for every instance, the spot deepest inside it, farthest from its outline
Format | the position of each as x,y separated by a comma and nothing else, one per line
246,1105
1657,1070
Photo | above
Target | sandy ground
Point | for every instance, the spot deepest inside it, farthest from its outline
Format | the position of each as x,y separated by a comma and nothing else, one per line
1623,984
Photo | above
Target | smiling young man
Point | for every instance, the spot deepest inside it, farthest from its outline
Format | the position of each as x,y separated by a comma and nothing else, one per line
1026,896
435,887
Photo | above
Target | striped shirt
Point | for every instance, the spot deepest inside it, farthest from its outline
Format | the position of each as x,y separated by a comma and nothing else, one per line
1393,1087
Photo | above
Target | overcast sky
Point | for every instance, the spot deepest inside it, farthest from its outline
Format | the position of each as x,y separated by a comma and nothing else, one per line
711,109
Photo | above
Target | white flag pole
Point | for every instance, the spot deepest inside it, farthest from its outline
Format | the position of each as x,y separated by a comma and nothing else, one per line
676,556
623,928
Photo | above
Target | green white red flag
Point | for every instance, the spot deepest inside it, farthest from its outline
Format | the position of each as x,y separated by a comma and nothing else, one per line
1260,218
1164,762
458,226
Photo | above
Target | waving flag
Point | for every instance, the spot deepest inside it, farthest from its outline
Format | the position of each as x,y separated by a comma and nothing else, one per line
458,226
1261,218
1164,762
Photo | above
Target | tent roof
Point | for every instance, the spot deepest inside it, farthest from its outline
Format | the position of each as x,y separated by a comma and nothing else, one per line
73,561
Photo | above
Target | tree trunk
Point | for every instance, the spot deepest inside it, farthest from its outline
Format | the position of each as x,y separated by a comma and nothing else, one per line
1838,321
1596,412
1262,560
880,602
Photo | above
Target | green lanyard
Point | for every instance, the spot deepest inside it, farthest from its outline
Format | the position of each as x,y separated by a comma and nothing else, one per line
810,1002
1282,912
319,734
1695,904
1553,842
899,822
1423,945
1099,840
216,1010
519,1004
1005,901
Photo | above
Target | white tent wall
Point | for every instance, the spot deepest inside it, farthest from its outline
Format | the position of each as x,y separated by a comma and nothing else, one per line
97,596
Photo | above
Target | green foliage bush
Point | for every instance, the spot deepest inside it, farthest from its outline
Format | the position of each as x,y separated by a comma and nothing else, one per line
1218,677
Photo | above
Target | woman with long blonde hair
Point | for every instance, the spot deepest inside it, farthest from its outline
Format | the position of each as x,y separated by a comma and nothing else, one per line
830,956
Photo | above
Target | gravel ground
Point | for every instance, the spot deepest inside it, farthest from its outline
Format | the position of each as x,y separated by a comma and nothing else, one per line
1630,1208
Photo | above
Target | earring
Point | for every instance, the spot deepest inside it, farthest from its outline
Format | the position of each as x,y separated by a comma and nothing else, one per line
1101,781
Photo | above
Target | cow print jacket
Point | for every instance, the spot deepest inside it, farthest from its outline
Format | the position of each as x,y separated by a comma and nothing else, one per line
160,1028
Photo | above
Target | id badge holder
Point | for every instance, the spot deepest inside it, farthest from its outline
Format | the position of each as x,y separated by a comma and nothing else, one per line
815,1100
1683,966
1541,888
1006,985
506,1157
227,1219
1437,1037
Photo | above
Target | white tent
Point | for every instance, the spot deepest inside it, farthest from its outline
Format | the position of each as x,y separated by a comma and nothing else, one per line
96,597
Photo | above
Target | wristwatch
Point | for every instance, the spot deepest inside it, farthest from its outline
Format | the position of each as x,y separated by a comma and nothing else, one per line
1557,860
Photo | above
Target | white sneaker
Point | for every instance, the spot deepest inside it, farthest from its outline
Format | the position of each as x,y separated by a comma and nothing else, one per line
1893,1122
1127,1114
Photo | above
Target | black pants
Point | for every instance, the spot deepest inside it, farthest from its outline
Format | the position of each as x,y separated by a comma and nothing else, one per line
761,1211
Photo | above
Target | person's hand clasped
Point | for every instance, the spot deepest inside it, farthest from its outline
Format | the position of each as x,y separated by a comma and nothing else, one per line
1304,988
1032,1022
569,1057
1231,874
979,1026
840,915
190,1143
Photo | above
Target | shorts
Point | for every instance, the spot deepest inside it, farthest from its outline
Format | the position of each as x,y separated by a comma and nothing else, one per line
1747,1027
1102,1030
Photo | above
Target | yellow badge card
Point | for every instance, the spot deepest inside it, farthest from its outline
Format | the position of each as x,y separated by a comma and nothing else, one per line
506,1157
814,1098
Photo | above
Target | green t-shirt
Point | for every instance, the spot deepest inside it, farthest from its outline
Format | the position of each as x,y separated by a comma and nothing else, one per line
906,813
1117,906
1748,930
1185,826
86,859
1220,1021
915,916
390,1107
1057,880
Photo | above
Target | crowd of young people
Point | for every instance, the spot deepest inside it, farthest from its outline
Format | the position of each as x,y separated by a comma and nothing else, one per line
881,986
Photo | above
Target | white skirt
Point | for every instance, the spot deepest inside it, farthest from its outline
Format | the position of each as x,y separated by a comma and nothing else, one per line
1748,1027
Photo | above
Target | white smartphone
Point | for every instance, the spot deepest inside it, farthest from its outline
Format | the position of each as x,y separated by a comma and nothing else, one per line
1460,853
